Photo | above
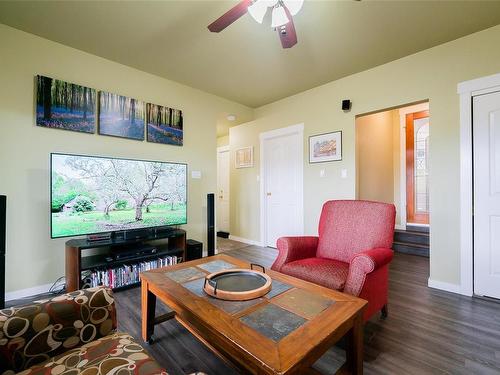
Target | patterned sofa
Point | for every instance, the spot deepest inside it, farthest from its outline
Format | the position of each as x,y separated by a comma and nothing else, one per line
70,334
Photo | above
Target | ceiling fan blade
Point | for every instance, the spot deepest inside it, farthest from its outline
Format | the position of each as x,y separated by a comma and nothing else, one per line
230,16
287,33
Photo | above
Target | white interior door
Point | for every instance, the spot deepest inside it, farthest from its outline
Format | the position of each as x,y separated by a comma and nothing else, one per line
223,190
486,135
283,186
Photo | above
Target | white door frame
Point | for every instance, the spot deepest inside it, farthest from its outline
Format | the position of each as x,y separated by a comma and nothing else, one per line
294,129
219,150
467,90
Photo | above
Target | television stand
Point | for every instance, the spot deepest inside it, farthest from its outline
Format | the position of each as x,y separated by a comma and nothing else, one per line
103,258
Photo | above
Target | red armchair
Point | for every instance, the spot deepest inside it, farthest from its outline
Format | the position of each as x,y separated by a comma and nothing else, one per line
351,254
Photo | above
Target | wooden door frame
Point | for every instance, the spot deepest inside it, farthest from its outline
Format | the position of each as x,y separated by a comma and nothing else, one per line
467,90
411,215
294,129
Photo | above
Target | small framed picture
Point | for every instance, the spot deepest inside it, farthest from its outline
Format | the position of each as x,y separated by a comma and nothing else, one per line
325,147
244,157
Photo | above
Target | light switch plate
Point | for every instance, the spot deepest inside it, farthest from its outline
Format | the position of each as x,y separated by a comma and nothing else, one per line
322,173
343,173
196,174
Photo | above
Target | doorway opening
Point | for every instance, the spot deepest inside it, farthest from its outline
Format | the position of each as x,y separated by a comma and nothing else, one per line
392,154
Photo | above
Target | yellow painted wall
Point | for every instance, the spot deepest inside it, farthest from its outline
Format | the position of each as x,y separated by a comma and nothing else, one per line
223,141
375,157
34,259
431,74
396,165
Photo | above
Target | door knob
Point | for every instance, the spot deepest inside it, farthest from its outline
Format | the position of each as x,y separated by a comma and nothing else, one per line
268,194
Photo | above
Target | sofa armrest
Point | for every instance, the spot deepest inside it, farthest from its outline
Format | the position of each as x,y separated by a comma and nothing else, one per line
362,264
35,332
294,248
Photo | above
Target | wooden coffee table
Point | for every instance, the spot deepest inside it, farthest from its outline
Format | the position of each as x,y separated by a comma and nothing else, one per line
284,332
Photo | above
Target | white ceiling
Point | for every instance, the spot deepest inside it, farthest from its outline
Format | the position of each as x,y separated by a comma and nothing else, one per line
245,62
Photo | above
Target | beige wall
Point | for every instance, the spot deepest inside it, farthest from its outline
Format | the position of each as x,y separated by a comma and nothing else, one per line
32,257
432,74
375,157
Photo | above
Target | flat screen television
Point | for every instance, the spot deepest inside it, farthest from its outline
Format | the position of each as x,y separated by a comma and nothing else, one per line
91,195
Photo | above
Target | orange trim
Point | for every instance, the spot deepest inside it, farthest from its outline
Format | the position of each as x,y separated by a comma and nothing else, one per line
411,215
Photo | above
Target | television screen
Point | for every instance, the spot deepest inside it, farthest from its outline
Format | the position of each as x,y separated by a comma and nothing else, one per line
97,194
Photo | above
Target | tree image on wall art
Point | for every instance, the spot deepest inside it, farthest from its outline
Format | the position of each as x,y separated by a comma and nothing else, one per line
64,105
92,195
164,125
121,116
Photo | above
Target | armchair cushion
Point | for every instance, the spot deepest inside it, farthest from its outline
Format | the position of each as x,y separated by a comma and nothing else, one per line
326,272
294,248
364,263
114,354
33,333
347,227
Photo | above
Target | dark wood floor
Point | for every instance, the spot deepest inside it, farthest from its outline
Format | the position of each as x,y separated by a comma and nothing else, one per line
427,332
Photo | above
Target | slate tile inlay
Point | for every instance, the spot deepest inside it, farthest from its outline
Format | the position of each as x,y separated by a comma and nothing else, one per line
273,321
185,274
303,303
196,287
277,287
216,266
233,307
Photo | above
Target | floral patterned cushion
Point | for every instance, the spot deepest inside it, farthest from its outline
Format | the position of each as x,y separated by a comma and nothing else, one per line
116,354
34,333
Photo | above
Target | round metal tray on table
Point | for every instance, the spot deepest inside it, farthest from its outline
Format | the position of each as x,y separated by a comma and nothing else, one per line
237,284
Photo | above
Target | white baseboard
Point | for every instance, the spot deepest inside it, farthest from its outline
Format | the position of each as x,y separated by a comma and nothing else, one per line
28,292
245,240
447,287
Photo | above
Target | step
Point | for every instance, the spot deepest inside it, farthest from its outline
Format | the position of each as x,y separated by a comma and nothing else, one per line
411,248
411,236
417,228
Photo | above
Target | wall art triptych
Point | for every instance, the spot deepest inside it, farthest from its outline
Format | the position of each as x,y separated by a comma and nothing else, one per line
68,106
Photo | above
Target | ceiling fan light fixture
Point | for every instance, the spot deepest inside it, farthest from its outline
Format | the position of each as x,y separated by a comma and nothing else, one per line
279,17
258,10
293,6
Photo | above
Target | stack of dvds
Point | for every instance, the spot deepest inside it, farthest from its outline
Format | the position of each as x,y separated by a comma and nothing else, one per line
125,274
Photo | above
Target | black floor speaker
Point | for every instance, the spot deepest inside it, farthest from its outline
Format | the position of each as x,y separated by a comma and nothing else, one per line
3,220
211,224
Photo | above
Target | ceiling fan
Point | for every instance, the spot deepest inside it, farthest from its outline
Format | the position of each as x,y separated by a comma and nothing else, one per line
281,18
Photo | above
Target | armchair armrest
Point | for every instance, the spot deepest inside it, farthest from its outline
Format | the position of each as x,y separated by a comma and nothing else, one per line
294,248
362,264
35,332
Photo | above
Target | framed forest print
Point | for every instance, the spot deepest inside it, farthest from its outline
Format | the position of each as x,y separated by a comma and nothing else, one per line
164,125
64,105
120,116
325,147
